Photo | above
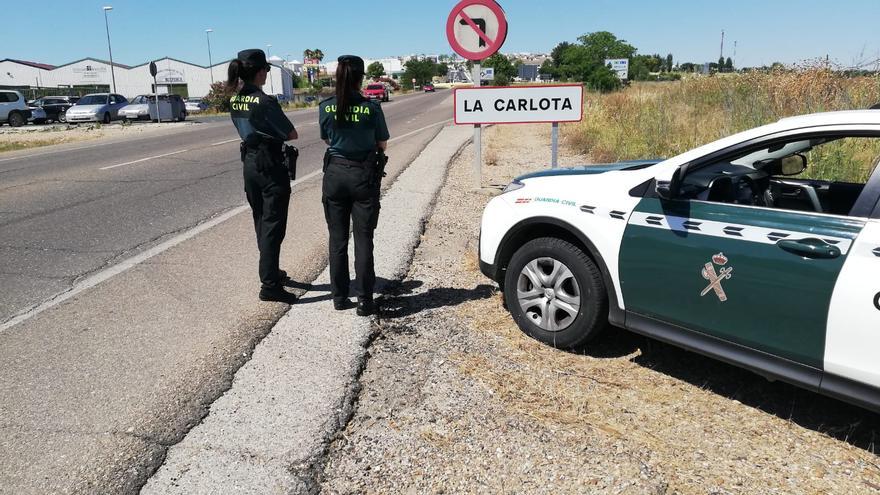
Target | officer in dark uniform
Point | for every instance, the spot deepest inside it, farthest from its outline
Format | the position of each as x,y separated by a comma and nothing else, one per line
263,128
356,132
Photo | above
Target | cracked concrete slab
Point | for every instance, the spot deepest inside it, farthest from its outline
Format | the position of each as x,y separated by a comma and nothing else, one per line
286,404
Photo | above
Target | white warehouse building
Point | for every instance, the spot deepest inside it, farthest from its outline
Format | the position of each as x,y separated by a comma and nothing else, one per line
94,75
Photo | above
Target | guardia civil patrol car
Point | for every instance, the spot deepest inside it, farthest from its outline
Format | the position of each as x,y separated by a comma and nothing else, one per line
761,249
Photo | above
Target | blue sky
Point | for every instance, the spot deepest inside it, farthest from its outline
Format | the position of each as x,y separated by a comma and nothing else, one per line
57,32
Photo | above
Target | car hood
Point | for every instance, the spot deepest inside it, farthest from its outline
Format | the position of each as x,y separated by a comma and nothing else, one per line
597,168
136,107
85,108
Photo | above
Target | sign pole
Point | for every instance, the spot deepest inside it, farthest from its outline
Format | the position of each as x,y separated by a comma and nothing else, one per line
478,143
554,144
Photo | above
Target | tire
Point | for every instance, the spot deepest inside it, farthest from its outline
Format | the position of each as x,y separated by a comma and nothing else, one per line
62,117
553,274
182,116
16,119
106,118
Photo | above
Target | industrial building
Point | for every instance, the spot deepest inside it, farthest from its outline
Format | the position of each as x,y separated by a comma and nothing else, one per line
91,75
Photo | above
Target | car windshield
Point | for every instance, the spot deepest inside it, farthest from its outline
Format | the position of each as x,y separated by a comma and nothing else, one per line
375,86
139,100
93,100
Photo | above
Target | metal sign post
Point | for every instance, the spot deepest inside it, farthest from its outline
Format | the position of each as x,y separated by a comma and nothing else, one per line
554,144
476,29
153,71
478,139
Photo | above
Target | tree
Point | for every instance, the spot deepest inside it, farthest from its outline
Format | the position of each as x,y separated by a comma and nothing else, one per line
442,70
556,54
728,65
218,97
504,70
318,54
669,62
547,68
376,70
420,70
721,64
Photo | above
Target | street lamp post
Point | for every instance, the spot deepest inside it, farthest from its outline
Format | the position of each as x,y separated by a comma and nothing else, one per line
210,62
109,48
271,82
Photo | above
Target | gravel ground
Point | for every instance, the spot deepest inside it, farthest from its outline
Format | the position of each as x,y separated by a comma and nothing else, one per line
30,136
455,399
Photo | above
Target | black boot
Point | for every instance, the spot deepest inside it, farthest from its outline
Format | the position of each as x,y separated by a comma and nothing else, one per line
277,294
366,307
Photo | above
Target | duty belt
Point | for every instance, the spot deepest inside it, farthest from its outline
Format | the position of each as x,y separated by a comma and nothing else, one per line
338,160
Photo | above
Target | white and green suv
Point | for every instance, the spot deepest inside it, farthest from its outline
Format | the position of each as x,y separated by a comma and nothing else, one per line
761,249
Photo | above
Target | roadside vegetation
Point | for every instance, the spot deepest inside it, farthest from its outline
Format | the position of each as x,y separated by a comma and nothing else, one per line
647,120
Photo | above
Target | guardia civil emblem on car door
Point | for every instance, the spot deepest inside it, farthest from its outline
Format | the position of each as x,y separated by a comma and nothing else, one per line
715,278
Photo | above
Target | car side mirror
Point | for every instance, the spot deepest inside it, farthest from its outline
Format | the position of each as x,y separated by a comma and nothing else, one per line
792,164
669,189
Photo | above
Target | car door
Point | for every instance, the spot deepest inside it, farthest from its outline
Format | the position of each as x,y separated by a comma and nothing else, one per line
854,317
757,277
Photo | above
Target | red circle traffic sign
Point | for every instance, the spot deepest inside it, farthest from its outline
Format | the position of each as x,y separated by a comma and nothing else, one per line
490,29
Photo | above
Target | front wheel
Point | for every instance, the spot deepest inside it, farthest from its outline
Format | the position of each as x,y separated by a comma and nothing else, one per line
62,117
555,293
16,119
106,118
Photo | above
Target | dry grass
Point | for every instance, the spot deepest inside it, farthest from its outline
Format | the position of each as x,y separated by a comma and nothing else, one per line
31,143
664,119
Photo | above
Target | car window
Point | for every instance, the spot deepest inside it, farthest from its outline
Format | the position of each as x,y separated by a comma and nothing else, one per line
93,100
8,97
375,86
819,175
4,98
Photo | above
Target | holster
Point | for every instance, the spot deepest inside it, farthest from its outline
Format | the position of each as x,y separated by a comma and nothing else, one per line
377,160
291,154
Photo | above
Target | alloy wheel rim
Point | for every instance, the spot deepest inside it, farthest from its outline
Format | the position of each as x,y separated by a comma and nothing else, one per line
548,294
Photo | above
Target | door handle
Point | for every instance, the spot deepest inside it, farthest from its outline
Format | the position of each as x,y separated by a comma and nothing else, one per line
810,248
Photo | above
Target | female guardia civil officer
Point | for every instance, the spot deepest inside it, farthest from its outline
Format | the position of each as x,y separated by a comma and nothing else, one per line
263,128
355,130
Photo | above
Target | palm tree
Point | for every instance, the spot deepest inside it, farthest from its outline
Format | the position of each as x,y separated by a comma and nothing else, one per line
318,54
307,54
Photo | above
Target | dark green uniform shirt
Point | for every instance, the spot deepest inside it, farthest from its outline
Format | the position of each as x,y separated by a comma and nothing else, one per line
364,126
253,111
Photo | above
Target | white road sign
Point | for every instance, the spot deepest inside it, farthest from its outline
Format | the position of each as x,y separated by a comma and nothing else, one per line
620,66
487,74
519,104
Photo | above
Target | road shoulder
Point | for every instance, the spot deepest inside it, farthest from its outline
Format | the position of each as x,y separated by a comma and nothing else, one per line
271,429
455,399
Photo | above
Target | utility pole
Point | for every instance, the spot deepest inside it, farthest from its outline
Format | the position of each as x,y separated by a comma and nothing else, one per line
210,62
109,48
722,43
734,53
271,82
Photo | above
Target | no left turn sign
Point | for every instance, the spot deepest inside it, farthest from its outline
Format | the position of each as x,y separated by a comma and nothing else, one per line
476,29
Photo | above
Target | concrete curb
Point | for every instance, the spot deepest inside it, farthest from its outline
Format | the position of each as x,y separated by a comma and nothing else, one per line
269,433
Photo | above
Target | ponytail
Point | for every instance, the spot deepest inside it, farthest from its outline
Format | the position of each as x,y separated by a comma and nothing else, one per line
348,81
239,70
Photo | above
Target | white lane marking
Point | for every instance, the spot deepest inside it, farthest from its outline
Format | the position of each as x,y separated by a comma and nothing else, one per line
435,124
142,160
224,142
124,265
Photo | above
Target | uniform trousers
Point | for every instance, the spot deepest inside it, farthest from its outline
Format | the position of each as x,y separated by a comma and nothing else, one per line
268,191
351,195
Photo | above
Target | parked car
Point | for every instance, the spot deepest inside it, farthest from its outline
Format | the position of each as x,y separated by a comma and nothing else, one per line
55,106
138,108
13,108
195,105
376,91
98,107
761,249
428,87
38,115
143,107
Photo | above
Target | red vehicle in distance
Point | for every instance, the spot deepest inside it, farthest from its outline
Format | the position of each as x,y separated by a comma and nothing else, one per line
376,91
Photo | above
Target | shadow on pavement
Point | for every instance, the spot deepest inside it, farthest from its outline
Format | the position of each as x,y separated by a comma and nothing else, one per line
400,304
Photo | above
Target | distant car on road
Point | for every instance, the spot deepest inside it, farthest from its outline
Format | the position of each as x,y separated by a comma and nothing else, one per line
428,87
55,106
97,107
196,105
376,91
13,109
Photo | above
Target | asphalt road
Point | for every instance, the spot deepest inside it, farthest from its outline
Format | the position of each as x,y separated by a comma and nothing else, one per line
67,214
96,387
